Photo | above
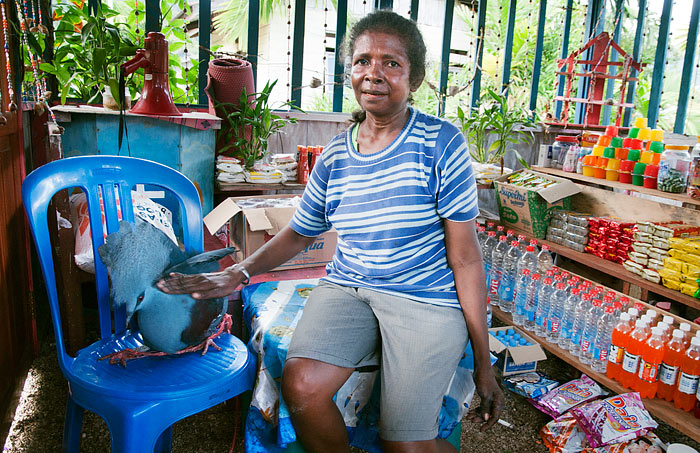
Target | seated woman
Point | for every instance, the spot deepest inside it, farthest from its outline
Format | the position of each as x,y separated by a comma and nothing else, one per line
406,287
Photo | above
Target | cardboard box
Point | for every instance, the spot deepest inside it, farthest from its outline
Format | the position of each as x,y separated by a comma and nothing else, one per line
528,209
250,229
518,359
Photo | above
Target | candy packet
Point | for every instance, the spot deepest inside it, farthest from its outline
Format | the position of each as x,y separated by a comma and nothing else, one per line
563,435
648,443
569,395
530,385
616,419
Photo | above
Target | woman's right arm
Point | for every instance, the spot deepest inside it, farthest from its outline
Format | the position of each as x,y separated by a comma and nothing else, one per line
281,248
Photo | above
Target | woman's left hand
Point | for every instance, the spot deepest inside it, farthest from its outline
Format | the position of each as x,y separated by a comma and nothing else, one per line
491,395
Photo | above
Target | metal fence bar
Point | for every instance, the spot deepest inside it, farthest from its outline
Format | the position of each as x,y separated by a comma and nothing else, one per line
537,63
445,56
253,28
636,54
657,81
610,88
510,28
204,43
298,51
688,63
564,53
479,52
339,72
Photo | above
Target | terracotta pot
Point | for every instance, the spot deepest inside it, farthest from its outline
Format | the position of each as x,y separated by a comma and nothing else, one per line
226,79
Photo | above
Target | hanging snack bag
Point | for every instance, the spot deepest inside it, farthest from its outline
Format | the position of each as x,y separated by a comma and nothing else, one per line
569,395
616,419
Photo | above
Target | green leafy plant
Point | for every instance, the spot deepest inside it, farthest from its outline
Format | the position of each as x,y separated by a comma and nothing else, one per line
494,117
248,127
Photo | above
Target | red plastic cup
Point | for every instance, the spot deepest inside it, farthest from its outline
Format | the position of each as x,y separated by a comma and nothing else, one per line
611,131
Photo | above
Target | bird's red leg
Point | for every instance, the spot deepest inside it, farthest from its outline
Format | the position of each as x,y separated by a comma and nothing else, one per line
225,324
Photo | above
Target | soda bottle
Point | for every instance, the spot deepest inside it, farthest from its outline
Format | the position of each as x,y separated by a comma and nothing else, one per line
556,312
544,259
684,398
590,330
497,269
633,352
654,315
650,363
668,374
617,346
685,328
521,296
603,337
544,297
579,324
634,313
567,320
532,301
507,286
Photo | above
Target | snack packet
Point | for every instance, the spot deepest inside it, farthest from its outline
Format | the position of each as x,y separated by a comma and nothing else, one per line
569,395
616,419
563,435
648,443
530,385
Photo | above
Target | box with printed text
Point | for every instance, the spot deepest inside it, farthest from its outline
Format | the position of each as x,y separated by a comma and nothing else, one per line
515,359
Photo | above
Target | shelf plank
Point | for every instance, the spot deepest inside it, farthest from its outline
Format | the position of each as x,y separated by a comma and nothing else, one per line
682,197
684,422
249,187
616,270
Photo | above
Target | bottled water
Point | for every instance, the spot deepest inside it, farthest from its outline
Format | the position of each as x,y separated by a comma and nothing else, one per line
527,261
490,226
589,331
603,338
579,324
510,236
521,296
556,312
481,236
544,260
489,312
543,302
523,242
568,318
532,301
497,269
486,252
507,286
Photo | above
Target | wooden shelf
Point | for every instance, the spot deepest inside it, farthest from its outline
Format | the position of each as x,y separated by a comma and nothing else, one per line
250,187
682,197
684,422
616,270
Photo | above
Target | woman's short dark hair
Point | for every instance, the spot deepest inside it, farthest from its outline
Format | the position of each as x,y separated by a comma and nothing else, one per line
405,29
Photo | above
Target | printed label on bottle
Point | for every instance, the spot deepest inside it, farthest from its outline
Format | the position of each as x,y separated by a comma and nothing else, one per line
530,315
688,383
555,326
600,354
668,374
585,346
505,289
494,286
648,372
615,354
630,362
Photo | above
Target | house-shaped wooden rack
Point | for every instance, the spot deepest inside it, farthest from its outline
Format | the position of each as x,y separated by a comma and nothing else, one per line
595,70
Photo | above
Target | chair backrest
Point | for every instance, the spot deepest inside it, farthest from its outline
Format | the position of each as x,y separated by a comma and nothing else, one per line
103,179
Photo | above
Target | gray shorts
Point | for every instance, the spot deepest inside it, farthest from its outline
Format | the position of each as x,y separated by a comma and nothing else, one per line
417,345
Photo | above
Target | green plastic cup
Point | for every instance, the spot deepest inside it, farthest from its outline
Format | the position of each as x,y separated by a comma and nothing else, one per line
634,155
634,131
639,168
616,142
637,180
657,147
609,153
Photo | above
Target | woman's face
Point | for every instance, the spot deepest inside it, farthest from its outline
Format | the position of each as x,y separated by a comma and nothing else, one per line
380,74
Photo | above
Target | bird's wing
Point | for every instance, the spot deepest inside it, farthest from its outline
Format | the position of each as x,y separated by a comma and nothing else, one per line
203,262
205,316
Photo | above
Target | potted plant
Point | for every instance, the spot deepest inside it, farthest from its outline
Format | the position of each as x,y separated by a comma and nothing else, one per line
247,126
495,117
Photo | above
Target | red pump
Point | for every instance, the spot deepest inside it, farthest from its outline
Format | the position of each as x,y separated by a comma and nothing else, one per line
155,98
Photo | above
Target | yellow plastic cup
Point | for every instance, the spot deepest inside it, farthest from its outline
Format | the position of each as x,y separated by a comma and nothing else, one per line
646,157
640,122
598,150
613,164
644,134
657,135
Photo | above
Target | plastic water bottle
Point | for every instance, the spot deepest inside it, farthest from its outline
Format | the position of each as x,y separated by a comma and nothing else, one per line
590,331
544,260
486,252
523,242
506,288
521,296
556,312
543,304
510,236
603,338
532,301
497,269
527,261
579,324
489,312
568,318
481,236
490,226
500,231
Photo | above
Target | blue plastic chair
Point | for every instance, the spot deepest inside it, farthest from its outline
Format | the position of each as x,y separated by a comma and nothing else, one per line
141,402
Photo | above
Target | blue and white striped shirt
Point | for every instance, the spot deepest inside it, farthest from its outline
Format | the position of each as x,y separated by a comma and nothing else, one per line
387,208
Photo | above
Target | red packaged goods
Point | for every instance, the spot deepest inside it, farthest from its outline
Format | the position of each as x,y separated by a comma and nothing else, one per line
589,249
612,241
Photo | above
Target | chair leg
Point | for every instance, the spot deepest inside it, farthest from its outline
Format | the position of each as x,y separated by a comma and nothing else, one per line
133,434
72,427
164,443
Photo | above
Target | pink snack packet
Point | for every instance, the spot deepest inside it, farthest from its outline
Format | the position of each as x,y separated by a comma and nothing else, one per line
648,443
616,419
568,395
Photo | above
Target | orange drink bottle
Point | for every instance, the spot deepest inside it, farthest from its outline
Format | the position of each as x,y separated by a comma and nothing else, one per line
668,374
617,348
684,398
633,352
650,363
685,328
